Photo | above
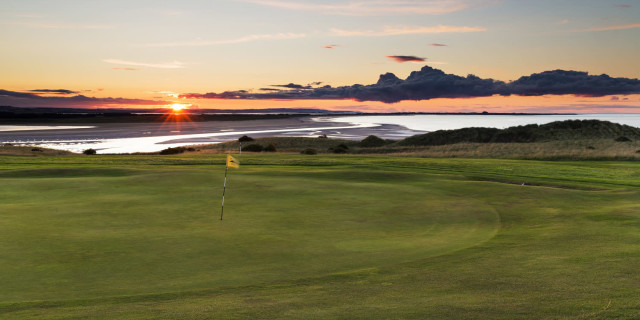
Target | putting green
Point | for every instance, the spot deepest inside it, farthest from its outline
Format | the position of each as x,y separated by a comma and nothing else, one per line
88,232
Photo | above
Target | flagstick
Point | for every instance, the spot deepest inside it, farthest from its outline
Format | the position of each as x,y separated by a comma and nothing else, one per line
224,188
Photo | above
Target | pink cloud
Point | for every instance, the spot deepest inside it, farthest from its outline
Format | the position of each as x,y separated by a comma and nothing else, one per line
617,27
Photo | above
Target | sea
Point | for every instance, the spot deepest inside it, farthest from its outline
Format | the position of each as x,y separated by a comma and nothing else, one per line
434,122
346,127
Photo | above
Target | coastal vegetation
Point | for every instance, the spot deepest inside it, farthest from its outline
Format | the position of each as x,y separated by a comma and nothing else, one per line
564,140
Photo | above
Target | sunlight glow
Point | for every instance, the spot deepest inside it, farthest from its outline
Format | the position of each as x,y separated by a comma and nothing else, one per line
177,107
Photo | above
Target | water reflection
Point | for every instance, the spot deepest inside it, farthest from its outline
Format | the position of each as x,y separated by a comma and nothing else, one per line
157,143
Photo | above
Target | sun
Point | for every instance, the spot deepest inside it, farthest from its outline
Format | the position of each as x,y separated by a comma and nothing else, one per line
177,107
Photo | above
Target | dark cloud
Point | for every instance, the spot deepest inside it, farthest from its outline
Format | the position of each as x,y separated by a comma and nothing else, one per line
28,99
430,83
572,82
401,59
54,91
438,45
291,86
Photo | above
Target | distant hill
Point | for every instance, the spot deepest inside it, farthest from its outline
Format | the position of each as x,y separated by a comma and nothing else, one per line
16,110
559,130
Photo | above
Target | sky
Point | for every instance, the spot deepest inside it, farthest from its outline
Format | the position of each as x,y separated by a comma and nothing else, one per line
236,54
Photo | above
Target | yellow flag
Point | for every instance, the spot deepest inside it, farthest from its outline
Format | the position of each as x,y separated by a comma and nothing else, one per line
232,162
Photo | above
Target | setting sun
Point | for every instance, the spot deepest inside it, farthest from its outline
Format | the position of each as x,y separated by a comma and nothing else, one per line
177,107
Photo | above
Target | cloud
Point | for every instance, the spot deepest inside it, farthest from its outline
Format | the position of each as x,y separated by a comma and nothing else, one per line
28,99
401,59
565,21
330,46
42,25
291,86
167,65
616,27
126,69
430,83
253,37
53,91
623,6
401,30
437,45
376,7
572,82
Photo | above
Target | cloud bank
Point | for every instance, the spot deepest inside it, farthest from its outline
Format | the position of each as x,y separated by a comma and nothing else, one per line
167,65
430,83
34,98
54,91
402,30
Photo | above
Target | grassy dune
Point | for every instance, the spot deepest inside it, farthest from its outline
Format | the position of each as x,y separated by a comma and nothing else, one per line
581,149
317,237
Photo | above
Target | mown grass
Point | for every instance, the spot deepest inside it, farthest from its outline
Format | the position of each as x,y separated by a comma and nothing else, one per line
317,237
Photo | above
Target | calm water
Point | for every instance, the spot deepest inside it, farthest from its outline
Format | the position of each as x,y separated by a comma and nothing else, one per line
433,122
63,138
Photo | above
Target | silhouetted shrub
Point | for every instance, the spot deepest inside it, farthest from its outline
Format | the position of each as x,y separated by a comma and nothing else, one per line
270,148
322,136
309,151
174,150
372,142
89,152
36,150
245,139
622,139
591,147
253,148
341,148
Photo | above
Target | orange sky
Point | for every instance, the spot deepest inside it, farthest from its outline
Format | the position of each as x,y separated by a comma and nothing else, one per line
130,54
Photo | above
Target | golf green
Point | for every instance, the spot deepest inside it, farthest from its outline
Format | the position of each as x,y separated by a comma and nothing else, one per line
318,237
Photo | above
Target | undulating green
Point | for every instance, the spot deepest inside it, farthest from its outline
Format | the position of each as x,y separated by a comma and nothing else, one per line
317,237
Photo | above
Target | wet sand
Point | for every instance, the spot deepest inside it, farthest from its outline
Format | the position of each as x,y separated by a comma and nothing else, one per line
163,135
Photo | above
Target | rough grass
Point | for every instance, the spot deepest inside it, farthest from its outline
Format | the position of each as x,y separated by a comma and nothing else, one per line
583,149
282,144
321,237
31,151
555,150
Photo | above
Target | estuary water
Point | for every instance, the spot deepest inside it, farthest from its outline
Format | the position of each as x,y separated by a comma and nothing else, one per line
433,122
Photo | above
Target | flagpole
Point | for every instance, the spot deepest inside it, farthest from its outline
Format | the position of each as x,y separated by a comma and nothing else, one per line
224,188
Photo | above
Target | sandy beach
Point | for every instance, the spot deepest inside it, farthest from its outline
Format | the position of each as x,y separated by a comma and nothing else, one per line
150,137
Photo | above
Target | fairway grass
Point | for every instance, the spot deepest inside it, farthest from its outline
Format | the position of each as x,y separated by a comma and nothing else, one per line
351,237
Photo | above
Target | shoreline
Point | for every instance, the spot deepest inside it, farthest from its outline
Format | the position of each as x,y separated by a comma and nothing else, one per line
153,137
